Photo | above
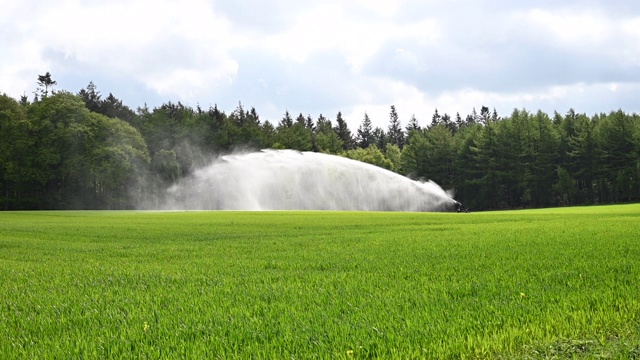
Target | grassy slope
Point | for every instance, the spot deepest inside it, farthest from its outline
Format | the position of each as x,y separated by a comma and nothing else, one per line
542,283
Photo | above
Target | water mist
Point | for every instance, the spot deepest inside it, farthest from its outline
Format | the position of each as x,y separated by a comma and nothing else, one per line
292,180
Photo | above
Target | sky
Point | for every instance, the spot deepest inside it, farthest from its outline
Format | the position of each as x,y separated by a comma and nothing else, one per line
322,57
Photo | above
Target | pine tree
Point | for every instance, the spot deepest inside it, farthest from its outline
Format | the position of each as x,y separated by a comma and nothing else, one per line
286,121
380,138
24,100
91,97
494,116
446,121
323,123
365,133
436,119
253,116
485,116
395,134
616,135
413,125
326,139
309,123
45,81
114,108
344,134
473,118
485,159
459,121
301,120
582,156
412,128
238,116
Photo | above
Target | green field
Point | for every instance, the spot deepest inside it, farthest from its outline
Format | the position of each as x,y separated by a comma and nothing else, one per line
556,283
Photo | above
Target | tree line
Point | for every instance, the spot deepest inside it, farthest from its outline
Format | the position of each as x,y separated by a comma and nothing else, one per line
81,151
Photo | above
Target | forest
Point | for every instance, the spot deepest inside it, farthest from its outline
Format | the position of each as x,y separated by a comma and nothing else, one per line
64,150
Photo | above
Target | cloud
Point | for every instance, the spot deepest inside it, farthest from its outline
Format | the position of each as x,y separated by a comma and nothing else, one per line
174,49
549,59
336,55
409,101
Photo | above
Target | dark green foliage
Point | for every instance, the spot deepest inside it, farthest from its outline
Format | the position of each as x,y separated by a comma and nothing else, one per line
326,139
529,160
380,138
219,131
436,119
395,134
16,158
64,156
45,82
466,171
111,106
114,108
617,140
365,138
343,132
458,121
248,131
412,126
286,121
430,155
91,97
488,163
293,135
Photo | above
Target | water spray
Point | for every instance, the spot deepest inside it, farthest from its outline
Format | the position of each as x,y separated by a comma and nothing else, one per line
293,180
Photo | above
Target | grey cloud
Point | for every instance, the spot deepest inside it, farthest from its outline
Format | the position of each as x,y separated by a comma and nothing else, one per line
73,75
458,13
323,84
490,52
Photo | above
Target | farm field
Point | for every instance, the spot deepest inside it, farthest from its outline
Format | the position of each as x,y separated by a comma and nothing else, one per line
552,283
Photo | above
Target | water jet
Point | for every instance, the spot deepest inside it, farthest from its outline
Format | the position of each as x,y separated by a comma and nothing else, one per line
293,180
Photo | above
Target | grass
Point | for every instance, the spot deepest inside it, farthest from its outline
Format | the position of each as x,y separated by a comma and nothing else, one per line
555,283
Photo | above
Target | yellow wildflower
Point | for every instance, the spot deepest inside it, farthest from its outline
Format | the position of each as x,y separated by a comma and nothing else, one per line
349,352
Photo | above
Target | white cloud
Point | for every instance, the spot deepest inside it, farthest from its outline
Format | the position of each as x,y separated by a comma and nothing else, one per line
381,7
327,27
631,27
338,27
18,65
590,31
174,48
187,84
570,28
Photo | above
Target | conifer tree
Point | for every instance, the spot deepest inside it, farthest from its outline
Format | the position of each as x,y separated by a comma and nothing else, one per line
395,134
45,82
344,134
413,125
91,97
365,133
